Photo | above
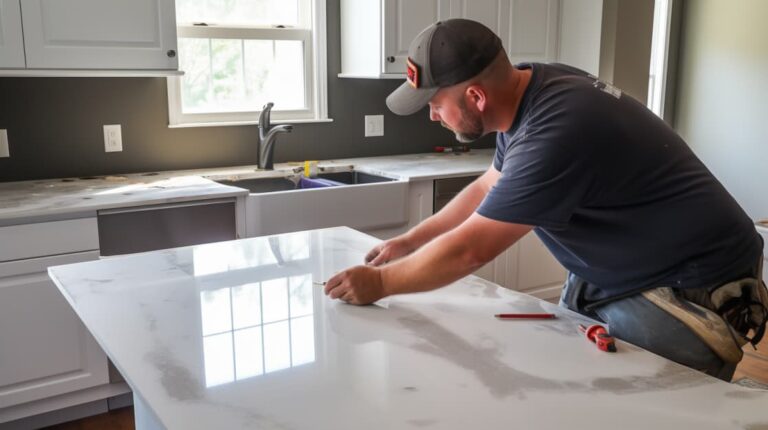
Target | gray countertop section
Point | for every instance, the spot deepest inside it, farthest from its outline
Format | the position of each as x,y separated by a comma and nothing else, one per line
34,201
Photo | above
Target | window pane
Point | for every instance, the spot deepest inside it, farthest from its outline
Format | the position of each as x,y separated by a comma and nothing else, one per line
248,359
227,75
219,365
246,306
274,296
301,295
216,311
238,12
277,346
302,340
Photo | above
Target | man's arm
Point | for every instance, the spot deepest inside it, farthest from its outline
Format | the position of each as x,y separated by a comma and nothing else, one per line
450,257
454,213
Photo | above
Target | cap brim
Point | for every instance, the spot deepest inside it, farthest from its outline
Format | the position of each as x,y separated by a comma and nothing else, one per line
406,100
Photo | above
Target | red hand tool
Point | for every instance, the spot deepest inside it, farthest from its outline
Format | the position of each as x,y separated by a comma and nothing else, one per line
599,335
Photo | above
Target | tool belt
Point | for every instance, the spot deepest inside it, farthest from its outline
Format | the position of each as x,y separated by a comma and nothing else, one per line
725,317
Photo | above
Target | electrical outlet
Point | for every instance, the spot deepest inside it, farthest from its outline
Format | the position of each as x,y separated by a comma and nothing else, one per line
113,138
374,125
4,144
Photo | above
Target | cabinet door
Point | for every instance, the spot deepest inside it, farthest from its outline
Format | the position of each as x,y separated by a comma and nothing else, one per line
98,34
11,41
531,30
403,21
44,348
491,13
536,271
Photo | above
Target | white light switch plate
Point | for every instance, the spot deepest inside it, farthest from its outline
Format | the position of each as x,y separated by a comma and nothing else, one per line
374,125
113,139
4,144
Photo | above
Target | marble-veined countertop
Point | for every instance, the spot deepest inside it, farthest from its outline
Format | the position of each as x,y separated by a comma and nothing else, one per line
74,197
237,335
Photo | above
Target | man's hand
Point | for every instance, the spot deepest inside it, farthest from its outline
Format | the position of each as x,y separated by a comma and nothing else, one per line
359,285
390,250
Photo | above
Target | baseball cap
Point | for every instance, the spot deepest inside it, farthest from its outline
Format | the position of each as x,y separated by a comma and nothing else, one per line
444,54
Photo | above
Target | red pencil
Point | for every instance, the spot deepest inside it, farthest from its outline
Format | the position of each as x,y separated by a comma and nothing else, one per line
525,316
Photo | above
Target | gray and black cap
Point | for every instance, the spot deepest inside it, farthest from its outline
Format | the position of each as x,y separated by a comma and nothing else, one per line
445,53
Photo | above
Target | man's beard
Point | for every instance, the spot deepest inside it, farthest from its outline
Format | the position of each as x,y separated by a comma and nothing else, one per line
471,126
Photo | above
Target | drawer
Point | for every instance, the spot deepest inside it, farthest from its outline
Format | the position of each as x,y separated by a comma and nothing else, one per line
23,241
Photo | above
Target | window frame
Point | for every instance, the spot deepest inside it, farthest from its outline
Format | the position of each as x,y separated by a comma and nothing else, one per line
659,64
311,29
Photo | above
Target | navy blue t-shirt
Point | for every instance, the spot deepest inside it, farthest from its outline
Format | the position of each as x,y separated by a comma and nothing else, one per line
615,194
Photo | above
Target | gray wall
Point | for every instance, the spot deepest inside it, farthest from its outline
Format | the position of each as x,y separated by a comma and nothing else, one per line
55,126
722,97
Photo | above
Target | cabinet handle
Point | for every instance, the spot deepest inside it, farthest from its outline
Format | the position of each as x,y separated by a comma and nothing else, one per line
391,59
171,53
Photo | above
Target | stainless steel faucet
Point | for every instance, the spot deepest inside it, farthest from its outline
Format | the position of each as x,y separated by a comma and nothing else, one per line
267,136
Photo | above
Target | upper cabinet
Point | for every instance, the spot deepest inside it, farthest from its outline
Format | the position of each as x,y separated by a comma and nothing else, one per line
129,35
11,41
403,21
376,34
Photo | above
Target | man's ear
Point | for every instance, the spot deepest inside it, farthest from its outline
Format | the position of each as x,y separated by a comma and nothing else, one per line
475,94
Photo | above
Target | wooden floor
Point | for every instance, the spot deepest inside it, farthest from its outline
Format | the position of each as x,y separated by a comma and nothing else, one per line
754,366
119,419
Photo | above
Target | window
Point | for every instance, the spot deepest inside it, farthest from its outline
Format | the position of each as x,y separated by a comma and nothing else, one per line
659,54
237,55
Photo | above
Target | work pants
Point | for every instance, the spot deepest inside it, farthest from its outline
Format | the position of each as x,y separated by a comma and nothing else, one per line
664,321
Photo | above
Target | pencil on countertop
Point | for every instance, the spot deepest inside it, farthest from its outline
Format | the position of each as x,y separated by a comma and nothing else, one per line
539,316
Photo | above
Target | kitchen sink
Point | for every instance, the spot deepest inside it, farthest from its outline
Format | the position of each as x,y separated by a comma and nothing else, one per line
354,177
262,185
269,185
355,199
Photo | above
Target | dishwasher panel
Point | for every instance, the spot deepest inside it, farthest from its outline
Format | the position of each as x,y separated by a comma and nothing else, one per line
447,189
149,228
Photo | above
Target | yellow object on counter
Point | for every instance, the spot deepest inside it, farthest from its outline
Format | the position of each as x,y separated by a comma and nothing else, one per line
310,169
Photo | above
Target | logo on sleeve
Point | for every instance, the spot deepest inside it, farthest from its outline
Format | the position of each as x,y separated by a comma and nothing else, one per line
607,88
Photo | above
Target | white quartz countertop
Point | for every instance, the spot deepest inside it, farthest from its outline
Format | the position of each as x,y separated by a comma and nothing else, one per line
20,201
418,167
236,335
73,196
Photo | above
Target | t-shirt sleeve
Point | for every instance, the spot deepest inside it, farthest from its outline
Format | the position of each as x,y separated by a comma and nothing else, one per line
542,183
498,158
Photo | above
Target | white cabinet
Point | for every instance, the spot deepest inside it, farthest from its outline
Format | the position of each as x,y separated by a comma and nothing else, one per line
376,34
533,30
403,21
526,266
45,350
528,29
94,34
11,40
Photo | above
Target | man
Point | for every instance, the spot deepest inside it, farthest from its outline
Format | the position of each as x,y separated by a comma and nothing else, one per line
655,246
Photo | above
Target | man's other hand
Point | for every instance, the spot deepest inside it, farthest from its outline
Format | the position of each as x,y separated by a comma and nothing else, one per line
359,285
390,250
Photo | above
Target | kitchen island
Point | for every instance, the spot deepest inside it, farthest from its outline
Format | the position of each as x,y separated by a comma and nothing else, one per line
239,335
